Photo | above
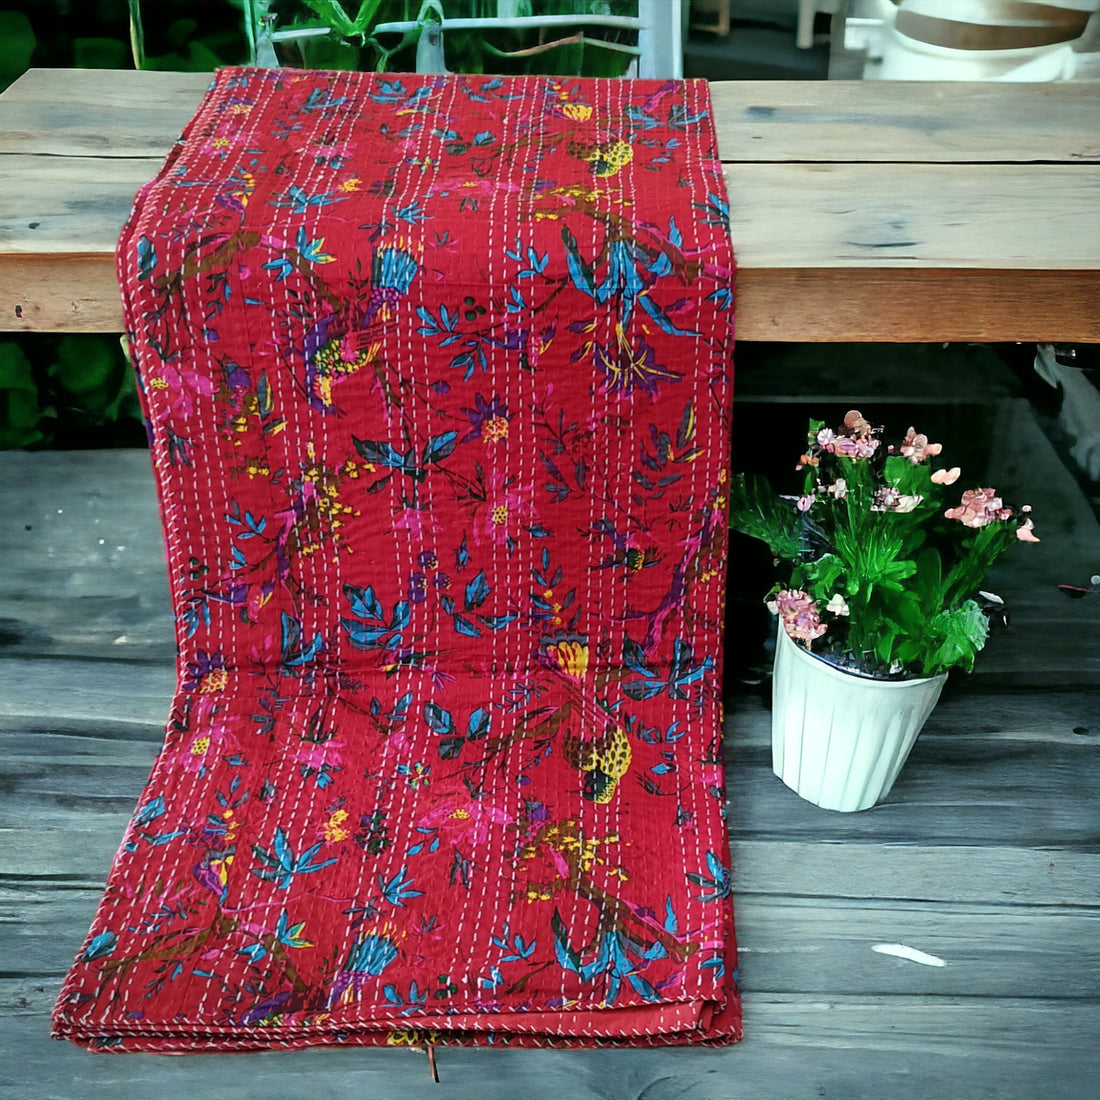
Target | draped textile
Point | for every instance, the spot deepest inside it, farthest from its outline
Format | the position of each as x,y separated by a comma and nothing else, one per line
438,378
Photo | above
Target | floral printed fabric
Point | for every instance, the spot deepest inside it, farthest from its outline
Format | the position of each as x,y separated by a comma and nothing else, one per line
438,374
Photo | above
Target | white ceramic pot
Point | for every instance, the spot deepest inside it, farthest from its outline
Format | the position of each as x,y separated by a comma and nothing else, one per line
840,740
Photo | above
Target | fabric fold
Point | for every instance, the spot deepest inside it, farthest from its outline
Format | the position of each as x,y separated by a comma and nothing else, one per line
438,378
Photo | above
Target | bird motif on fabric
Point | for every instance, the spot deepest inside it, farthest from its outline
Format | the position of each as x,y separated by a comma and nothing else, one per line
603,761
606,157
341,344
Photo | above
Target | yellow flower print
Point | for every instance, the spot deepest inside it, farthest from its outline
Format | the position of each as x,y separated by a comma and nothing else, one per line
334,827
570,657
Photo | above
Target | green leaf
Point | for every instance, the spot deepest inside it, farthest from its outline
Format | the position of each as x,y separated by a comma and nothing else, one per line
17,44
756,511
84,365
15,368
100,53
959,635
822,577
334,15
19,422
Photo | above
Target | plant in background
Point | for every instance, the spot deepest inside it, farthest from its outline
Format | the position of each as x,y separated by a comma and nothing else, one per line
68,391
882,557
389,35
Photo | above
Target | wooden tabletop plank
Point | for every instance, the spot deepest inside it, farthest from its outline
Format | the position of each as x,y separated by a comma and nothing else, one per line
797,216
825,252
878,236
93,112
902,121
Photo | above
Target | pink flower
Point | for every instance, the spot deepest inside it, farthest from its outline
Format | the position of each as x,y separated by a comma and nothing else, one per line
463,821
508,507
888,499
185,386
798,613
885,499
420,522
315,754
852,446
946,477
856,424
1024,532
855,440
916,447
978,508
806,503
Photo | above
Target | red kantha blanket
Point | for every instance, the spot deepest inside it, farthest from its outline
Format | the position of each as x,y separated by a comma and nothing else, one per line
438,377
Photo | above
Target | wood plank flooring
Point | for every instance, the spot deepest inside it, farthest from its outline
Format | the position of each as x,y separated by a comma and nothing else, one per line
986,854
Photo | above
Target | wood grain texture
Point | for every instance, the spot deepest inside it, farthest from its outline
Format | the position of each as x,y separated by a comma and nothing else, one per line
899,121
66,205
134,114
919,216
786,216
52,293
909,305
81,577
866,1048
860,211
92,112
79,293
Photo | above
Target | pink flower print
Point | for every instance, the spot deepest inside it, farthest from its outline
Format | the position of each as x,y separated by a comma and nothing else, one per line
315,754
461,821
419,522
185,386
209,739
506,510
978,508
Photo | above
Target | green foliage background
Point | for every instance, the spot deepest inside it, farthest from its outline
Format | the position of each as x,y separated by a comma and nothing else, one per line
78,390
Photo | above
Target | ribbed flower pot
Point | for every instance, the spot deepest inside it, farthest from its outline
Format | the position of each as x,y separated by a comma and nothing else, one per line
839,740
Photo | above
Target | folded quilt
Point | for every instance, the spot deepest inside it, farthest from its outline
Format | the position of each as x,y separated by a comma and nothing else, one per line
438,378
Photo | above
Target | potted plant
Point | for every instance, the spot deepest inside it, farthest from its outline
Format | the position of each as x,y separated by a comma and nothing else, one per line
881,564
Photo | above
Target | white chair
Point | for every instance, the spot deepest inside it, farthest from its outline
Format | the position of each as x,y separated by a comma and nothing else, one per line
658,55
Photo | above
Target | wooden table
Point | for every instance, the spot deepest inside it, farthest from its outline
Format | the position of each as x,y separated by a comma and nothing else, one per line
860,210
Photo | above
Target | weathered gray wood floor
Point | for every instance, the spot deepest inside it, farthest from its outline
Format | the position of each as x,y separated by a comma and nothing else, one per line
987,853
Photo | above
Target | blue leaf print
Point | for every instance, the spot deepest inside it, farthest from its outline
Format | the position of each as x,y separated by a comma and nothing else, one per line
100,947
477,591
439,720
